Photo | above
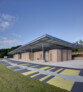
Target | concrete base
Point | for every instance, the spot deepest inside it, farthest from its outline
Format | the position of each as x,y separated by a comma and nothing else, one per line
78,58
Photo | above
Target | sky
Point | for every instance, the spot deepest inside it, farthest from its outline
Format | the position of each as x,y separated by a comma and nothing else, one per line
22,21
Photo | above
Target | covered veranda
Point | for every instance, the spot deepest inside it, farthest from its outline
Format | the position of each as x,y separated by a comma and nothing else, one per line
45,44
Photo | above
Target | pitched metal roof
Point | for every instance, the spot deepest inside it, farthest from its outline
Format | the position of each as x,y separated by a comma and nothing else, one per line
48,42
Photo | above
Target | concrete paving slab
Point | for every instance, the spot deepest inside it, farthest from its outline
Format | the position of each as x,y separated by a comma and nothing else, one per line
78,87
33,74
22,70
14,68
68,64
53,77
39,76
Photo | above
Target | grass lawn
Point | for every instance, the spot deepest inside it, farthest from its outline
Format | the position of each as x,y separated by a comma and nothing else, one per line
11,81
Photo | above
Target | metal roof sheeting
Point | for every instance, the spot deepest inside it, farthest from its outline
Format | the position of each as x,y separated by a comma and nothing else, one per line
48,42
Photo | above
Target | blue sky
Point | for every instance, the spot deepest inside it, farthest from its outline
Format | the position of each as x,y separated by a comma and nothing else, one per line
21,21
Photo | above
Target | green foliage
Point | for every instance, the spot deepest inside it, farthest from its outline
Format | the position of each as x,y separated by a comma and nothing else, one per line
80,42
4,52
77,50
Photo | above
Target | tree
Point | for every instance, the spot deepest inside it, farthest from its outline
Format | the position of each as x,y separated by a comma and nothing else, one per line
80,42
4,52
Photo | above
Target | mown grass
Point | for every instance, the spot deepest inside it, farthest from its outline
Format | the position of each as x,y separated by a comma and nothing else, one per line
11,81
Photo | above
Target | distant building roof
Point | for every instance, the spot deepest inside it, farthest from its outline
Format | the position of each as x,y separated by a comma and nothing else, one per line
48,42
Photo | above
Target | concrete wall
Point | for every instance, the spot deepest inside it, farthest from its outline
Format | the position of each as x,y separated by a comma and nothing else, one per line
26,56
78,58
52,55
22,56
59,55
69,55
38,56
16,56
64,55
55,55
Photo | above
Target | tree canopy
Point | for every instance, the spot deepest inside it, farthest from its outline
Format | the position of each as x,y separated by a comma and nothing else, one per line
4,52
80,42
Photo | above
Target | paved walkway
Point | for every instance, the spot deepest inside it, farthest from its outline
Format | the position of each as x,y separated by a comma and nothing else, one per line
69,64
66,78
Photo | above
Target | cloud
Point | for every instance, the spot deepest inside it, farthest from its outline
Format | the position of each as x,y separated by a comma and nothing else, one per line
6,43
4,24
7,17
5,21
16,35
4,38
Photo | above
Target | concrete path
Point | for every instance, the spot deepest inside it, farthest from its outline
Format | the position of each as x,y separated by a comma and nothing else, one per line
68,64
66,78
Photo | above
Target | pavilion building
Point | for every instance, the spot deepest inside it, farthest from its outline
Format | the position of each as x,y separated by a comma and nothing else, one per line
45,49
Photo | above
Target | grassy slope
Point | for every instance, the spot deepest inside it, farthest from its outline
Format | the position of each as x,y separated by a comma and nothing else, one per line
11,81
